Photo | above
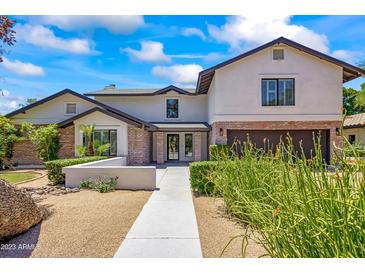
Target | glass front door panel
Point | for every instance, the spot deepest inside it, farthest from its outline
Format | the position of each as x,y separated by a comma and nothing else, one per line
172,147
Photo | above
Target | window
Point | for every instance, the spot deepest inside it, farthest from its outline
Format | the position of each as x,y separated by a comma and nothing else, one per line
172,108
70,108
278,54
277,92
352,138
189,145
104,136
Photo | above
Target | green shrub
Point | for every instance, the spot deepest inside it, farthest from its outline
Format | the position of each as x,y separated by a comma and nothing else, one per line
354,150
54,168
219,152
298,208
102,184
8,136
45,138
200,176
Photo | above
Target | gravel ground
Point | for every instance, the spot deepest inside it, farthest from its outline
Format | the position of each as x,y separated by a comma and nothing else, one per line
82,224
216,229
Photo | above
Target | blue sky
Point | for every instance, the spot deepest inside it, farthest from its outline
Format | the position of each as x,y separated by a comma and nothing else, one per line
85,53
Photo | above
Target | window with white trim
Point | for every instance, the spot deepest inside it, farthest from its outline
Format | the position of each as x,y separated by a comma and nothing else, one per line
278,54
71,108
277,92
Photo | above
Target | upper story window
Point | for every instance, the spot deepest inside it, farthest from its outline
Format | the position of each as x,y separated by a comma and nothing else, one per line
71,108
278,54
172,108
277,92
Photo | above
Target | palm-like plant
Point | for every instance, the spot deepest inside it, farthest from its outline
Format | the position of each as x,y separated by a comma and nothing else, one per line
100,149
88,131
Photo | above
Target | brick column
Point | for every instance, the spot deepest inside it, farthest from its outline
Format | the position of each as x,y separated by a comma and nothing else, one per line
67,142
159,147
219,136
197,140
135,145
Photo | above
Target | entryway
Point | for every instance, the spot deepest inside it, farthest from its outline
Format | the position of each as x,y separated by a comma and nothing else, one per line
173,147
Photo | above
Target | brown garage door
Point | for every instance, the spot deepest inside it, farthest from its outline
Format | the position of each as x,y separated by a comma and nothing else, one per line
258,136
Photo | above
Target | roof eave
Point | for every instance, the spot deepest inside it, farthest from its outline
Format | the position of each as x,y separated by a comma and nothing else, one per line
358,72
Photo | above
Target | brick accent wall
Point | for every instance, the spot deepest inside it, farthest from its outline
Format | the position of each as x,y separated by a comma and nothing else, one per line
197,146
24,153
216,138
139,146
159,147
67,142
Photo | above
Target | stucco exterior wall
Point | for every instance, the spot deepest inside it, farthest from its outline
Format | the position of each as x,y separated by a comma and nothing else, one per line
236,89
135,178
103,121
52,111
153,108
359,133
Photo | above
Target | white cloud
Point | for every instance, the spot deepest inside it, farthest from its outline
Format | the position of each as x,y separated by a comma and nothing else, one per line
9,102
117,24
180,74
150,52
193,32
22,68
44,37
347,55
246,32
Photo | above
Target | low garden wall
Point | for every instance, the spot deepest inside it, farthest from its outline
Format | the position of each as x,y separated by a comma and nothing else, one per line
129,177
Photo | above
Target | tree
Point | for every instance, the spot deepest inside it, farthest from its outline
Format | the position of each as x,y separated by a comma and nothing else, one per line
7,37
88,131
29,101
351,102
45,138
8,136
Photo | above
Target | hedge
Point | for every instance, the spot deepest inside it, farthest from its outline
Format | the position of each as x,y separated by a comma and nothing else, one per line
219,152
54,167
200,179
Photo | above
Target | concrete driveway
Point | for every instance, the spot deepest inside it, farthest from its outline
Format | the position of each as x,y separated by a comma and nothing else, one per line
166,226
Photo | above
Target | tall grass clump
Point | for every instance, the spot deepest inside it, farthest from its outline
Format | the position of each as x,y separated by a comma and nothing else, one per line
298,206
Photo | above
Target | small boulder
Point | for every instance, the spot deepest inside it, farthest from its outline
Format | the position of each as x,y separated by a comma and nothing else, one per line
18,211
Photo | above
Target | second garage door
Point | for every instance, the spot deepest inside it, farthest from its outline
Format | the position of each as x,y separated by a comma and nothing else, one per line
306,136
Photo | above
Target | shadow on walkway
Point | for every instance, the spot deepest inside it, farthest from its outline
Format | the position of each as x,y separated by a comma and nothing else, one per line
22,245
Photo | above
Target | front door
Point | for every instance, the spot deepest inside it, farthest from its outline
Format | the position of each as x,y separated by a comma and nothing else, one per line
172,146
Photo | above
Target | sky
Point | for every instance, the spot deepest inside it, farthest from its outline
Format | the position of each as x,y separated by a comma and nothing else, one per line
86,53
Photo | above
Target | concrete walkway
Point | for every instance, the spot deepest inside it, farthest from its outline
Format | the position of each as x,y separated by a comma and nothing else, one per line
166,226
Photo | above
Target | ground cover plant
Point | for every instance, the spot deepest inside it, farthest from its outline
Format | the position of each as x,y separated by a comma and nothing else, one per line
299,207
102,184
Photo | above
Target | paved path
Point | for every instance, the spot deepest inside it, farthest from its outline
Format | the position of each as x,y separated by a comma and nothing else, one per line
166,226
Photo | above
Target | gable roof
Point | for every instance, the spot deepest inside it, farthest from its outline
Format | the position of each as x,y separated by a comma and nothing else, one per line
69,121
132,119
350,72
112,91
354,121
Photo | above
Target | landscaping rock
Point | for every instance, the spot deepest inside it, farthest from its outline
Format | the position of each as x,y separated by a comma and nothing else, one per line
18,211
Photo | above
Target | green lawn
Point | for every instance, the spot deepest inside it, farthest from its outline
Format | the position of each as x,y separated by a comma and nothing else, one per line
17,177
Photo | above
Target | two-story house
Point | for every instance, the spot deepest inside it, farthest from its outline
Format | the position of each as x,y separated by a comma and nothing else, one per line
278,88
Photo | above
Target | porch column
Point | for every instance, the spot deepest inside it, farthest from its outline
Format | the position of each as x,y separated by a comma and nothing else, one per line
197,140
159,147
